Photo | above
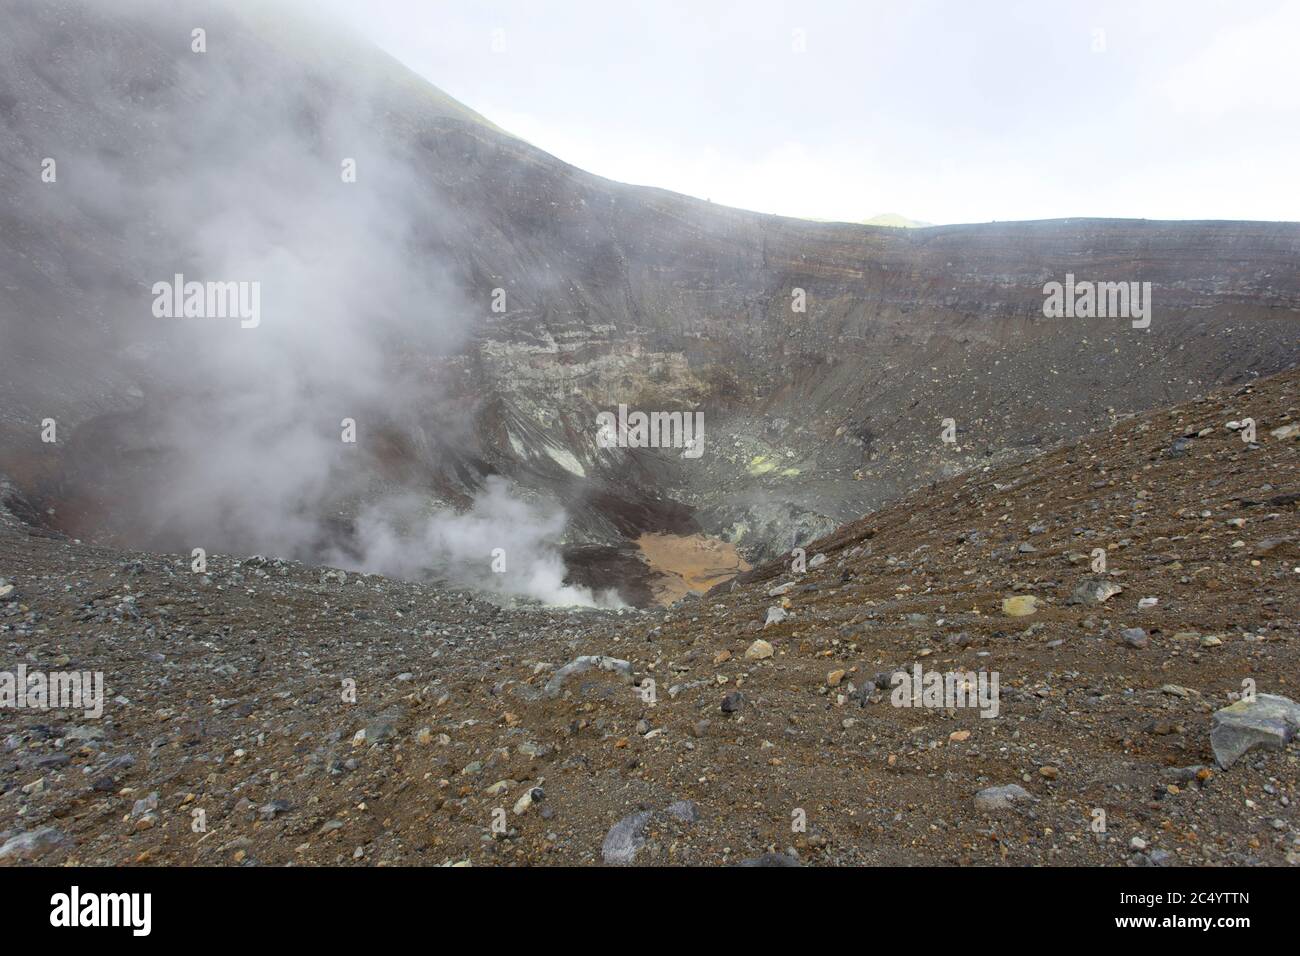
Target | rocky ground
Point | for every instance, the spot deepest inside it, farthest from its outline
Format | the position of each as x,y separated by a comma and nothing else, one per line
478,735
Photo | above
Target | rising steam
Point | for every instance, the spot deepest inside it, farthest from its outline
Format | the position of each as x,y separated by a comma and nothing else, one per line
398,540
227,166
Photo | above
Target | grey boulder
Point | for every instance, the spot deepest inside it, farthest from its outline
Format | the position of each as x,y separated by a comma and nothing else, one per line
1000,798
1266,721
32,845
1094,591
580,665
625,838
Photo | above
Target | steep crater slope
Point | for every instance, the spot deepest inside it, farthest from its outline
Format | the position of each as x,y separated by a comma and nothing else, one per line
225,165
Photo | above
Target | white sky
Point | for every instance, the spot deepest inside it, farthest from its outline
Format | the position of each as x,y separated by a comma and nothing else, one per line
941,110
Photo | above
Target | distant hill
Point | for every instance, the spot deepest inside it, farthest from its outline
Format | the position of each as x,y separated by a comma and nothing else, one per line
894,219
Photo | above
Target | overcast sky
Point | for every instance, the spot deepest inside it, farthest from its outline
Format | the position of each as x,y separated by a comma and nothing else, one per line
941,110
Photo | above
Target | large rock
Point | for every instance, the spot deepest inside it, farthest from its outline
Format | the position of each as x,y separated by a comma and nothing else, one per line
1284,548
1000,798
1134,637
684,810
1021,606
32,845
383,727
1094,591
580,665
625,838
1267,721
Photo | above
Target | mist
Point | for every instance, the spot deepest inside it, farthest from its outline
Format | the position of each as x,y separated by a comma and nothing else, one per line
398,540
244,164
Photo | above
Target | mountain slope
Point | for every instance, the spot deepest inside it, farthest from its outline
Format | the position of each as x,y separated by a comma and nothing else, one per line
379,302
225,690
